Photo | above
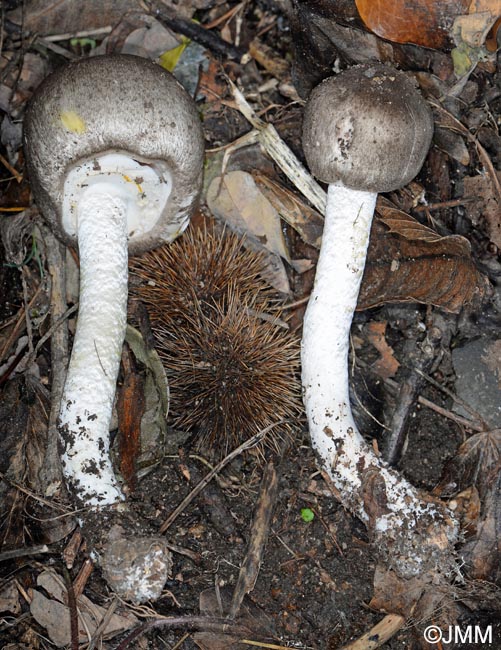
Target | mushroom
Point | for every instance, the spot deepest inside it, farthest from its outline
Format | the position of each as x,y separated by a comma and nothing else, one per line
365,131
114,150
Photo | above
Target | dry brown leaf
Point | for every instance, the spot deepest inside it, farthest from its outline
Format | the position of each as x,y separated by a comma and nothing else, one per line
306,221
467,506
139,34
477,462
386,366
10,599
250,616
492,359
486,208
482,554
237,200
62,16
15,88
53,614
211,84
408,262
477,465
427,596
423,22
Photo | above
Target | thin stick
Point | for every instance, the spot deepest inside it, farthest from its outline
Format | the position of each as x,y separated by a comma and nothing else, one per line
85,33
249,569
252,442
276,148
379,634
101,628
13,170
22,552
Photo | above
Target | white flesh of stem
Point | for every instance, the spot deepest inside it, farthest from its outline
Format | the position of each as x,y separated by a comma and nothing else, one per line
87,402
342,451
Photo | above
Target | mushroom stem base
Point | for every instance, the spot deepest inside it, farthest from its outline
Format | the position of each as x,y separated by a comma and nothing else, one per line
87,401
390,506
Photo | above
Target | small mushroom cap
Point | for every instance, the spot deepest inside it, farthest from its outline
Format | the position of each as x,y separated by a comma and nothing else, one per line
368,128
114,104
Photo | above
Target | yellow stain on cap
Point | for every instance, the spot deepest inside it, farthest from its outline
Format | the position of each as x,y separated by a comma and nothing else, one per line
73,122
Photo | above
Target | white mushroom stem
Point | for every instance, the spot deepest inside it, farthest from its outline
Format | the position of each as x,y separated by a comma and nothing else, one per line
371,490
87,402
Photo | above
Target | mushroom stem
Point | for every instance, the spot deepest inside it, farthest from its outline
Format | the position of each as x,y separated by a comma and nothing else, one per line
326,327
87,402
385,501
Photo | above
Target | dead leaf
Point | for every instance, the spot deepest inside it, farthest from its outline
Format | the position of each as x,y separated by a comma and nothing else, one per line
477,463
237,201
466,506
477,466
236,196
408,262
156,407
138,34
15,88
423,22
386,366
9,598
130,407
213,87
492,359
53,614
249,616
486,208
306,221
61,16
482,554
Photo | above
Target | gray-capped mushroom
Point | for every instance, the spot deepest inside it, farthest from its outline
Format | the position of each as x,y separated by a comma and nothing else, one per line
114,151
365,131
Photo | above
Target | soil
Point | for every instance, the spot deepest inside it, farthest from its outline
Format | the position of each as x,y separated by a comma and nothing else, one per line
316,579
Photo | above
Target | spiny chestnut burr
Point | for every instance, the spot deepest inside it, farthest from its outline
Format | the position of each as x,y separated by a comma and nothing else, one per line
232,369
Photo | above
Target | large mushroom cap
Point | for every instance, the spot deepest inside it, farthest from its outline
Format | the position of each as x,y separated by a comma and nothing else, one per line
114,104
367,128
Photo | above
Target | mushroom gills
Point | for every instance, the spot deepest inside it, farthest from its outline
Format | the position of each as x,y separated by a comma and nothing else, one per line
144,187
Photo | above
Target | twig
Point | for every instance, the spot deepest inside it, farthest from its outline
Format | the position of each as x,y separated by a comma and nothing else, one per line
85,33
101,628
379,634
199,34
453,203
46,502
51,473
72,606
252,442
13,170
393,385
19,324
22,552
200,623
249,570
44,44
456,399
31,356
420,357
276,148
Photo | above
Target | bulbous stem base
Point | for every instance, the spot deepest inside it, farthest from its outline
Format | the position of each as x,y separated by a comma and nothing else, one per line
390,506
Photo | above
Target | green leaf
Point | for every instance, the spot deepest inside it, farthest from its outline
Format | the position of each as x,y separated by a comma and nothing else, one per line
307,515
